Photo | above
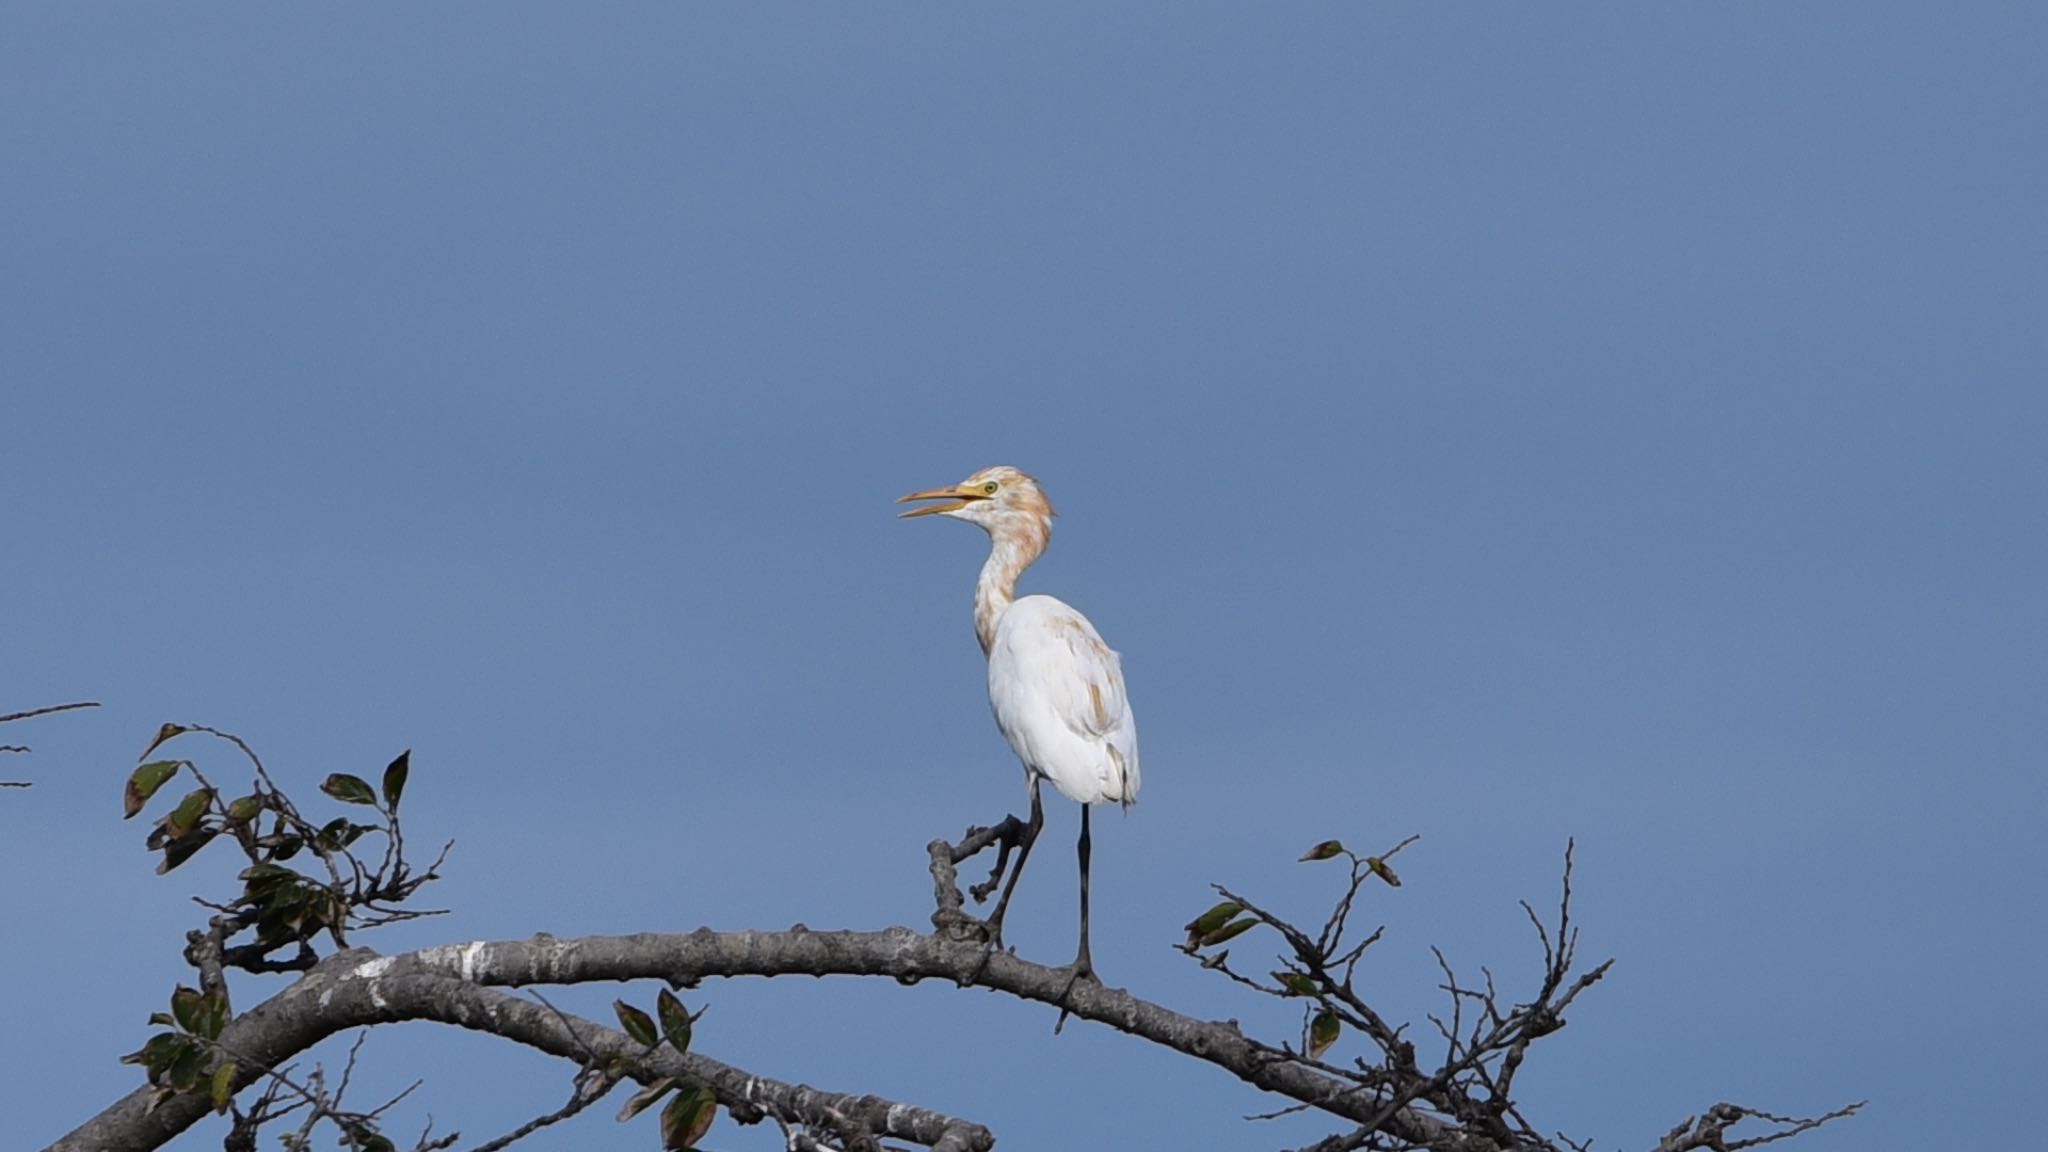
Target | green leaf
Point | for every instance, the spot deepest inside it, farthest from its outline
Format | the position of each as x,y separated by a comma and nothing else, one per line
183,849
157,1052
286,848
394,779
212,1016
1380,869
1211,920
162,1020
675,1020
1229,931
687,1118
281,913
1325,850
245,809
186,1067
144,781
639,1025
186,815
266,875
339,833
1297,983
162,734
185,1006
348,789
364,1138
1322,1032
645,1097
223,1086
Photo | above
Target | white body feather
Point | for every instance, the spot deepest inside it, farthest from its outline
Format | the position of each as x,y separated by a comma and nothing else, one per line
1058,694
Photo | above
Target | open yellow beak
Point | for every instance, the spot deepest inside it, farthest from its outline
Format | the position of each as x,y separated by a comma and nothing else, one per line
953,496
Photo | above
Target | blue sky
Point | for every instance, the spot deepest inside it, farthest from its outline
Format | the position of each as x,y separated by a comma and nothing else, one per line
1499,424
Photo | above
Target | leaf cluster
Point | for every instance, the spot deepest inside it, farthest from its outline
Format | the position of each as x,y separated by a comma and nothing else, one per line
690,1113
183,1059
1468,1092
305,877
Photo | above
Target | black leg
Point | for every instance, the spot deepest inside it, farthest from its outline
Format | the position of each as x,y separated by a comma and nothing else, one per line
1084,965
995,920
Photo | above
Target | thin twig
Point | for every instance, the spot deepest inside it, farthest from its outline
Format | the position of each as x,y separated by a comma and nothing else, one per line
13,716
583,1097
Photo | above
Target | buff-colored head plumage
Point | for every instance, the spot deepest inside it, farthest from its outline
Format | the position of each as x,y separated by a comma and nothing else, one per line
1004,501
1009,505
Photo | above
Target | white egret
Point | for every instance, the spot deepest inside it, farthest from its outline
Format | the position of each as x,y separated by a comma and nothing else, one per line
1056,688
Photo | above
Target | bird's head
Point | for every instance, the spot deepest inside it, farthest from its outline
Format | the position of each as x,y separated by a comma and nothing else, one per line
1001,499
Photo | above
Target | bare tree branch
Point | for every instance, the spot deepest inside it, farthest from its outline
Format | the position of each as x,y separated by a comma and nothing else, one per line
1392,1100
13,716
357,988
587,1092
1709,1130
453,984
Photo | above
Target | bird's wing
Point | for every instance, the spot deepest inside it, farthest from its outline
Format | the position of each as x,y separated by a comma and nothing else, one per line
1059,659
1097,706
1058,692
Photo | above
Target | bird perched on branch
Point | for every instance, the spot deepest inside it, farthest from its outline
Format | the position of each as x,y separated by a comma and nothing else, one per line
1056,688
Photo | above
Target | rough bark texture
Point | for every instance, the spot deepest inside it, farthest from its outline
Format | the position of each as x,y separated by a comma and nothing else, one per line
453,984
907,957
458,984
357,988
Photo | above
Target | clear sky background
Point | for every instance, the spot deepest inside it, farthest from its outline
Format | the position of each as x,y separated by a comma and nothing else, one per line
1498,423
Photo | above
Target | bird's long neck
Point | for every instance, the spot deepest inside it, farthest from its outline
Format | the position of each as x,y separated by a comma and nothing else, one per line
1010,552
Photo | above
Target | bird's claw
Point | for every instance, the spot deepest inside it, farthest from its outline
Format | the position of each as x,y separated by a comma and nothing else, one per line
992,943
1081,970
1009,834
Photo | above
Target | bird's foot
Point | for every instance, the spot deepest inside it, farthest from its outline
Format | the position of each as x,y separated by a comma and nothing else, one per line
1081,970
992,943
1009,834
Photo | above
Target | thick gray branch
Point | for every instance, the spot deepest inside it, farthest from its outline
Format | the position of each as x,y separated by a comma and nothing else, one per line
908,957
898,953
453,984
358,988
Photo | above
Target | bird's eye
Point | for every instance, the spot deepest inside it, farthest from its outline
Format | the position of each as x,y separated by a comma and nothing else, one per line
989,489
